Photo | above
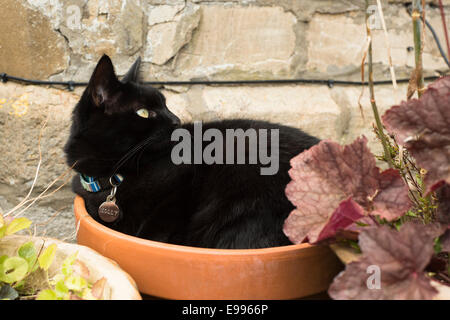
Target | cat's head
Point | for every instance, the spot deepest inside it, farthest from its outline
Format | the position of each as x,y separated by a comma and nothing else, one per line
112,117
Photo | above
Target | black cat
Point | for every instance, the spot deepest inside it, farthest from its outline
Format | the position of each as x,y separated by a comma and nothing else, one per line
123,127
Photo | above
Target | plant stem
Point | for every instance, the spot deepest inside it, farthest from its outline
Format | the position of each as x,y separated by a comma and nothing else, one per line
387,153
418,49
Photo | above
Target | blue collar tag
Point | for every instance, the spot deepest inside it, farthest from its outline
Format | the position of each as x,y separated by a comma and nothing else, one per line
92,184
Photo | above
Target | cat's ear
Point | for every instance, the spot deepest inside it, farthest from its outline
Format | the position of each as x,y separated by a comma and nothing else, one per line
133,74
104,83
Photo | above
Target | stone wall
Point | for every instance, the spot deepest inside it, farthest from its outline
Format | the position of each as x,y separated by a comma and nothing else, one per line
192,40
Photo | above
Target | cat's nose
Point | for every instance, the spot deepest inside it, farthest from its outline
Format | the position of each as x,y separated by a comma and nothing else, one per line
174,120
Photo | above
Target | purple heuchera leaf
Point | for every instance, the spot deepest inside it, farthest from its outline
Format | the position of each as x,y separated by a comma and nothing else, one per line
423,127
347,213
400,256
333,186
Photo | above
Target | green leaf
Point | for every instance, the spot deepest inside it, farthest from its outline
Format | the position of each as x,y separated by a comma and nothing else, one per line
87,294
13,269
411,214
47,256
361,224
398,224
437,245
62,291
47,295
2,231
28,252
2,227
20,285
67,264
354,245
76,283
8,293
17,225
56,279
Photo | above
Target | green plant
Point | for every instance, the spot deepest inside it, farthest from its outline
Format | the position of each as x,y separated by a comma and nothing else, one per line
25,275
400,216
397,220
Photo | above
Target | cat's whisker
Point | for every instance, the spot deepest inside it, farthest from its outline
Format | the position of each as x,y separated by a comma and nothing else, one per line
130,154
139,158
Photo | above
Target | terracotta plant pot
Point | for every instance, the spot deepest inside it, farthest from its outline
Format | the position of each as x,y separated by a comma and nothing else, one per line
119,285
181,272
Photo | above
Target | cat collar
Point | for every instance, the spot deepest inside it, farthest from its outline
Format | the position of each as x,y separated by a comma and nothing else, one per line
92,184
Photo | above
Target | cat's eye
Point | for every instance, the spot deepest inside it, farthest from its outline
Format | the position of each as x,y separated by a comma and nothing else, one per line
144,113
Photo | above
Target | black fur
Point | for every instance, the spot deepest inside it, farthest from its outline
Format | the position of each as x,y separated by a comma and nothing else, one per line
211,206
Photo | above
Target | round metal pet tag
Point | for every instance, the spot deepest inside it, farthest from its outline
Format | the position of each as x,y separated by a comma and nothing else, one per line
108,211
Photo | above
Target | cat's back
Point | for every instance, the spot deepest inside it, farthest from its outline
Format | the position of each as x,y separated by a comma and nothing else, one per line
289,138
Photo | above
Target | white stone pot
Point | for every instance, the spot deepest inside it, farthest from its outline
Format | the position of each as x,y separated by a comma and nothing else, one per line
119,285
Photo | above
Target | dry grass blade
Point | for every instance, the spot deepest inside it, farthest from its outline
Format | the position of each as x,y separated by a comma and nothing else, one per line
37,170
418,13
74,234
48,221
42,195
388,45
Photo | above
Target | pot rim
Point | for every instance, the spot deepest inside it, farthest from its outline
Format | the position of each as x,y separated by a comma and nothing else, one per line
83,217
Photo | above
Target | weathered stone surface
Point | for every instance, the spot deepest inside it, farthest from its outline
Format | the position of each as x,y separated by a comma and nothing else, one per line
128,28
432,59
178,104
29,47
336,44
327,113
56,223
354,124
115,28
163,13
305,10
291,105
165,39
435,2
166,2
341,46
257,39
249,40
23,111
